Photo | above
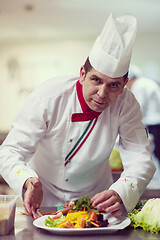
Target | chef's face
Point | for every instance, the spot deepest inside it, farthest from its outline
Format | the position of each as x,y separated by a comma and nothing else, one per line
99,90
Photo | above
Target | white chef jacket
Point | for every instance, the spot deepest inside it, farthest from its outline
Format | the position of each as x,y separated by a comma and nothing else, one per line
43,134
147,93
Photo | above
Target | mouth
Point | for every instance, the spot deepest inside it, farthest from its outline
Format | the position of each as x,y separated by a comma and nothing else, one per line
99,103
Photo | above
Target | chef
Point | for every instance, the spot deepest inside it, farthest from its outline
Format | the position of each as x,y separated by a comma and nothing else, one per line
59,144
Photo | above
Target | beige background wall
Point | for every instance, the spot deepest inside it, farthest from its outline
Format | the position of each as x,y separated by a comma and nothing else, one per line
25,65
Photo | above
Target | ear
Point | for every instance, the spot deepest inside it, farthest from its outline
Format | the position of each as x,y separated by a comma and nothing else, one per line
82,74
124,84
126,81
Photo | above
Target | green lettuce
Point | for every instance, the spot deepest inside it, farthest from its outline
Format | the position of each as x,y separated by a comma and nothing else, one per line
147,217
54,223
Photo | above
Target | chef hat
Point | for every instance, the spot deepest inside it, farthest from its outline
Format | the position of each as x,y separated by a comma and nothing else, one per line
112,50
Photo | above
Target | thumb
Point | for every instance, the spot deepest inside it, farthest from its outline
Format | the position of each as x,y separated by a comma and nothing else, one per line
36,182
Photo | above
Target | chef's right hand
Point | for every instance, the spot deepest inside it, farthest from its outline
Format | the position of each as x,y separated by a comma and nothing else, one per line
33,196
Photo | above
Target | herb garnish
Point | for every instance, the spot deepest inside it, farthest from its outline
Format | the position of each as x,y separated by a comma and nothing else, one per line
82,203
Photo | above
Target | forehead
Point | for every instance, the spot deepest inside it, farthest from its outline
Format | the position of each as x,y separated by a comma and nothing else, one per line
105,78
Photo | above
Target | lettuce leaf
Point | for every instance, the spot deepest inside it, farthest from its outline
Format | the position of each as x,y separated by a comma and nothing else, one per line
148,217
54,223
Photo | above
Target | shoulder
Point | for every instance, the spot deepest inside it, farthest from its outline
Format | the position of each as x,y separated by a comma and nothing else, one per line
126,104
127,97
54,88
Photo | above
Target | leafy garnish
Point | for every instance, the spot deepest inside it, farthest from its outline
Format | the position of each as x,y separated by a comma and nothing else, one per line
147,217
136,210
82,203
140,204
54,223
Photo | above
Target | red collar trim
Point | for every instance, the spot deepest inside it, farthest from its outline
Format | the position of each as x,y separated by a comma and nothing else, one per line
88,114
83,103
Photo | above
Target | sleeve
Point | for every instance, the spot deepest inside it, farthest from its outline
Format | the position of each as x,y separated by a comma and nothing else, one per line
27,129
135,153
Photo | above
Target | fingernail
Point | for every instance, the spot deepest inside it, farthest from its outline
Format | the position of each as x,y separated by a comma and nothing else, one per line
99,207
107,210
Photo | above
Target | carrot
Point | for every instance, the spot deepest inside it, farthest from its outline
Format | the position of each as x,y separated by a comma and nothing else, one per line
95,224
50,213
25,214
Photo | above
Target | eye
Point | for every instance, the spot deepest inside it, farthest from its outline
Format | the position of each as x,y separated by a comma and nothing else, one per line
114,85
96,80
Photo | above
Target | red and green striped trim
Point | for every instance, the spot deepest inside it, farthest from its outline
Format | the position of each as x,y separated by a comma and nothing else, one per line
80,141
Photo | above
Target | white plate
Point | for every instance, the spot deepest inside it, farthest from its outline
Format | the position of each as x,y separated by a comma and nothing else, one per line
115,224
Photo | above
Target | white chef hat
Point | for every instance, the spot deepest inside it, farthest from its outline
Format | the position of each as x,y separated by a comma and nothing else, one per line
112,50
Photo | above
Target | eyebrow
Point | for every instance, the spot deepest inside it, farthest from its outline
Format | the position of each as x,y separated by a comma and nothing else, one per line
116,82
95,76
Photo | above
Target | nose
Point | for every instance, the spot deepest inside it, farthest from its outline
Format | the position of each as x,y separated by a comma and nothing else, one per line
102,91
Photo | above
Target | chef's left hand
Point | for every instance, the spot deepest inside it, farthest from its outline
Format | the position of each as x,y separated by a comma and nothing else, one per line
108,201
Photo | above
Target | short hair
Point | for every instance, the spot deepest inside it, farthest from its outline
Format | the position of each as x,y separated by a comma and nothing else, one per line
88,67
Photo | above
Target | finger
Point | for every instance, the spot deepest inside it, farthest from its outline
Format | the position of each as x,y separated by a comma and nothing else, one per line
27,202
39,213
95,200
116,213
106,203
27,207
35,181
94,197
113,208
36,213
101,198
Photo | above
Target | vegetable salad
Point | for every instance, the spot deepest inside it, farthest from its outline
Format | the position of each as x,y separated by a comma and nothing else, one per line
78,214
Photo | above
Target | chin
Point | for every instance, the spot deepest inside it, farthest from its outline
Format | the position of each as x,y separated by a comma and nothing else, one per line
98,109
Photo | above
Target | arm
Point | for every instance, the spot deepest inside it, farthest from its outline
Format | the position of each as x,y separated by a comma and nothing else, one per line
21,143
135,153
136,158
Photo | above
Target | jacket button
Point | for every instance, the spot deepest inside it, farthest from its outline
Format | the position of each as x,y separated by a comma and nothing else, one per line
71,140
66,180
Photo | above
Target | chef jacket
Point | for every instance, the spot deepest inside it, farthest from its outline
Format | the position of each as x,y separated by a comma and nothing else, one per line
57,138
147,93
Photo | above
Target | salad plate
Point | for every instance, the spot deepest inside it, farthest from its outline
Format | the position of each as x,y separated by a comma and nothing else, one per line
115,224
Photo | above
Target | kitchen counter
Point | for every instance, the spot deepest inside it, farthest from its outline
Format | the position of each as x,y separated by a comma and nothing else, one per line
24,229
